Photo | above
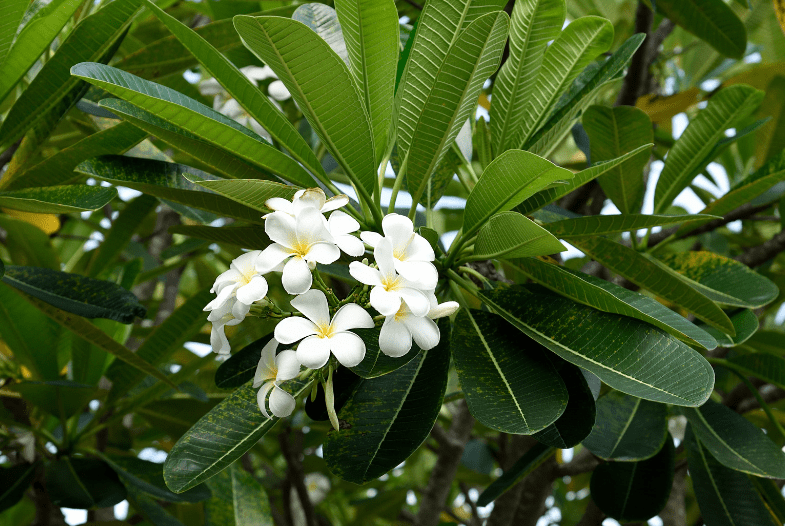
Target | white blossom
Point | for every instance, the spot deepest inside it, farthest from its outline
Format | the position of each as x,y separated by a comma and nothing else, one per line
221,317
412,252
389,288
243,282
321,336
270,372
398,330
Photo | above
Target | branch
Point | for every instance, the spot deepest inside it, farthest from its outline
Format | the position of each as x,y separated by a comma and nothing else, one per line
291,447
743,212
582,462
506,506
636,80
593,515
760,254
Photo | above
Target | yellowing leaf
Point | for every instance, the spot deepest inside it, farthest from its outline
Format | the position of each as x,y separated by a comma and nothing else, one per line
49,223
779,10
660,109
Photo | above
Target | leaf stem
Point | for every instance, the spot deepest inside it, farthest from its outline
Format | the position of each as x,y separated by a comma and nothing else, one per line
397,185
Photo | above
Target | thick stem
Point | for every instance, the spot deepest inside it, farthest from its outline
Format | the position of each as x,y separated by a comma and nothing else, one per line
291,448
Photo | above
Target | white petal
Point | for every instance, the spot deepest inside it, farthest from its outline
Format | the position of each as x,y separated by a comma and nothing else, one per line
324,253
350,245
313,304
416,301
419,250
311,227
398,229
218,340
341,223
261,398
289,330
271,257
348,348
225,278
281,228
313,352
254,291
287,365
281,403
279,204
371,238
383,254
387,303
335,202
424,331
365,274
244,264
239,311
351,316
311,198
278,91
296,277
221,299
421,273
443,309
395,339
266,369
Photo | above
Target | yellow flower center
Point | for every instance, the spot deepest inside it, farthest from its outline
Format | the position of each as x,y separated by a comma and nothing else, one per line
401,312
324,331
298,248
391,284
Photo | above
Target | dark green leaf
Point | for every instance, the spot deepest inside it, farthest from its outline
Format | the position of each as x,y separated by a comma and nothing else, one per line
83,483
14,482
767,367
61,398
578,418
746,324
241,236
711,20
612,224
148,477
238,500
241,365
533,458
376,363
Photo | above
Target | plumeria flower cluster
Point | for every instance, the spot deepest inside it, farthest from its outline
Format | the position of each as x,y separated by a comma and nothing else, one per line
399,285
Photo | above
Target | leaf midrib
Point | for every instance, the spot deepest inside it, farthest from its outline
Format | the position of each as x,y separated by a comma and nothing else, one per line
713,482
713,433
626,425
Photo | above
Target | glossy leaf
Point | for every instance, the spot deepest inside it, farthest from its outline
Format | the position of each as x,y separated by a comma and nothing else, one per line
509,383
77,294
652,276
83,483
533,24
147,477
238,500
634,491
744,322
612,224
58,199
510,179
586,342
512,235
767,367
14,482
242,236
710,20
530,461
207,449
577,421
725,497
722,279
689,155
614,132
243,90
387,418
11,14
627,429
60,398
370,30
735,442
240,367
252,193
323,87
609,297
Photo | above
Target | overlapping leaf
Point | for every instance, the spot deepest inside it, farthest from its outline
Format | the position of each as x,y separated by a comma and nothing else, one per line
712,21
237,500
241,236
578,418
512,235
57,199
252,193
612,224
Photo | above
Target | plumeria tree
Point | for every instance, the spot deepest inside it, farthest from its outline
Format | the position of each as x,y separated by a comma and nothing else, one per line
373,262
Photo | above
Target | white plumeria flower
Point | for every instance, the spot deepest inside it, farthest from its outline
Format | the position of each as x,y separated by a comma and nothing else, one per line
398,330
303,241
320,336
270,372
317,486
221,317
412,252
389,288
243,282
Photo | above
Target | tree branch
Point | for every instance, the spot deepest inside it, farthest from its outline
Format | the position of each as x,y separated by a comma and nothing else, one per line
743,212
291,448
636,80
760,254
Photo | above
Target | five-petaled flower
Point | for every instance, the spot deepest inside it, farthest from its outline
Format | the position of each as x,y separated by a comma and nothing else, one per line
270,372
243,282
395,338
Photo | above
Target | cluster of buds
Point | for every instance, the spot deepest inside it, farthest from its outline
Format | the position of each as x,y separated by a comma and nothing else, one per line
402,279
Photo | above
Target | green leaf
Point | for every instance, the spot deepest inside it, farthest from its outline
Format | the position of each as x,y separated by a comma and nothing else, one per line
389,417
193,117
613,224
664,369
745,323
35,38
243,90
61,398
323,20
533,24
710,20
725,497
92,334
371,32
241,365
323,87
577,421
650,275
512,235
59,168
767,367
91,40
149,509
530,461
442,110
170,181
14,482
576,46
252,193
148,477
11,14
221,436
627,429
27,244
509,383
614,132
735,442
767,341
634,491
376,363
549,195
510,179
58,199
242,236
77,294
238,500
689,155
614,299
770,492
83,483
722,279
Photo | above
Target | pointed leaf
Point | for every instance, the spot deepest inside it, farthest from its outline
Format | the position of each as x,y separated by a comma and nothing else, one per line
613,224
148,477
509,384
627,429
60,398
664,369
14,482
710,20
252,193
744,322
512,235
767,367
58,199
238,500
577,421
83,483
